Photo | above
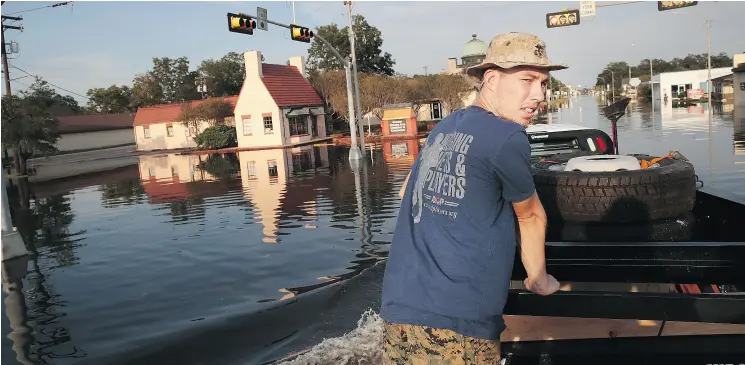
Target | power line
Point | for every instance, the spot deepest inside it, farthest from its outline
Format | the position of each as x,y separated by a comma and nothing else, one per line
59,87
43,7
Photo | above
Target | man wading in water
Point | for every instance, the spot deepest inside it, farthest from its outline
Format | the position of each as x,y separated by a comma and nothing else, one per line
450,263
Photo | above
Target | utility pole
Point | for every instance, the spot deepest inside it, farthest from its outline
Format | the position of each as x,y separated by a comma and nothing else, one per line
5,53
708,84
425,71
356,79
651,86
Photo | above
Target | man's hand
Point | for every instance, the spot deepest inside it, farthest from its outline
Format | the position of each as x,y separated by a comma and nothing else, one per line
544,285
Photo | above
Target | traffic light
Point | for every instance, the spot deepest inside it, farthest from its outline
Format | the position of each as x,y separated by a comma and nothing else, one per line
562,19
300,34
670,5
240,23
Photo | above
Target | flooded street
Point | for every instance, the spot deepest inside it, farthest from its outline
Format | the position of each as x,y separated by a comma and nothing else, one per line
198,259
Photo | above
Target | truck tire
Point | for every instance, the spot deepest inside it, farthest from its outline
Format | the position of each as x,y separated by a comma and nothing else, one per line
666,191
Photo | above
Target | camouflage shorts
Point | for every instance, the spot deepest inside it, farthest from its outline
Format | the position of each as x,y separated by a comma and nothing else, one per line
419,345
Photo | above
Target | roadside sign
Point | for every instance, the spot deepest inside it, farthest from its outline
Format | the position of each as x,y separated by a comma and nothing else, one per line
586,8
635,82
261,18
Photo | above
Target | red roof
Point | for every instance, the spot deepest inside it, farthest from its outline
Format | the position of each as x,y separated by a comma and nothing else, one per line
288,87
165,113
94,122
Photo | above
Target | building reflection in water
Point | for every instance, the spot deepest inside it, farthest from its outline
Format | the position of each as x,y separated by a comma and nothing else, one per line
738,126
267,176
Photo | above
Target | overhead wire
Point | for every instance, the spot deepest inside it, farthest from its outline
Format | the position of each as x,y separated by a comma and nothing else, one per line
42,7
56,86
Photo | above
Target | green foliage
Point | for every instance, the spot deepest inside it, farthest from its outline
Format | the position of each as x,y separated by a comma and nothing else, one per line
112,100
691,62
28,124
212,111
223,77
368,43
217,136
170,81
221,166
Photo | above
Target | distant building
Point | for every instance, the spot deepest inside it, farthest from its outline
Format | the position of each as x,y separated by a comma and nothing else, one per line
738,81
722,90
277,106
95,131
156,128
474,52
675,85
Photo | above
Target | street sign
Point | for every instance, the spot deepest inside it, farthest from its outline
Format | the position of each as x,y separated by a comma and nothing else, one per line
261,18
586,8
635,82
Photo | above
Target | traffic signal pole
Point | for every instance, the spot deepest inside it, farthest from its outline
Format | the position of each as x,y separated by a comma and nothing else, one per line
356,78
354,152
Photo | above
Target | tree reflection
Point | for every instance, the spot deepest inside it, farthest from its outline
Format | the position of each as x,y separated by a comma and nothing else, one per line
45,223
191,208
127,192
221,166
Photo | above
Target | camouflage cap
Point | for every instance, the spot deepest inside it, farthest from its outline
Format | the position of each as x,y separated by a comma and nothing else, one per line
513,49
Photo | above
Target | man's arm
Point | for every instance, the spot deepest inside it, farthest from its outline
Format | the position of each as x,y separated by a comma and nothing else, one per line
512,167
531,218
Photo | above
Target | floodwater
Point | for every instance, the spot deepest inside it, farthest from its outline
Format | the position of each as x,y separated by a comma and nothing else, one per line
244,258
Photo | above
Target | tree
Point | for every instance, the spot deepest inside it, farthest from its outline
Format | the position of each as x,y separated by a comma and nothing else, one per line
450,89
146,91
217,136
332,87
211,111
28,125
368,43
223,77
379,90
114,99
170,81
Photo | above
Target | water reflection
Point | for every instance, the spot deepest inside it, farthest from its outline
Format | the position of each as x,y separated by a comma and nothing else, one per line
207,235
267,182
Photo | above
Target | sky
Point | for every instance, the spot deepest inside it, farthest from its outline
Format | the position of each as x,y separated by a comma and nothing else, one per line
97,44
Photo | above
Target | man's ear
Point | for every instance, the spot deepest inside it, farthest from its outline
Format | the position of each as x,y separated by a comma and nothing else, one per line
490,78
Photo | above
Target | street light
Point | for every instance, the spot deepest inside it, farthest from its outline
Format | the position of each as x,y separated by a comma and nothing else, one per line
612,82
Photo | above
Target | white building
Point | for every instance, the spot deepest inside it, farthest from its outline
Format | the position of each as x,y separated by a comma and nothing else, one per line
676,84
738,80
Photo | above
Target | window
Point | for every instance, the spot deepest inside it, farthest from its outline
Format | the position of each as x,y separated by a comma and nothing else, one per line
246,126
268,125
298,125
169,130
435,110
147,131
251,169
273,168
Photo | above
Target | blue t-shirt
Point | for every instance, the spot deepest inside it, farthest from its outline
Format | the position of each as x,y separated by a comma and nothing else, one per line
450,262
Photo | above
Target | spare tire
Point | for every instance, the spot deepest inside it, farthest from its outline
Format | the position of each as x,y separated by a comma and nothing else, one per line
665,191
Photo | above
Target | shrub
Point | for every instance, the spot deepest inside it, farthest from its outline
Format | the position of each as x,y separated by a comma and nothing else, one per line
217,136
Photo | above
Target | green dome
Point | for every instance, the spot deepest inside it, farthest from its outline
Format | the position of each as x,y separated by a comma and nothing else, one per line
474,47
